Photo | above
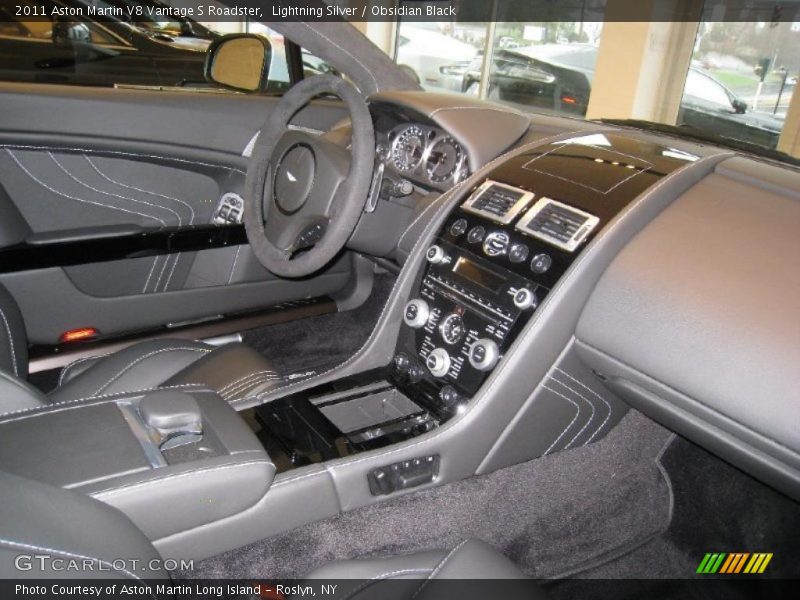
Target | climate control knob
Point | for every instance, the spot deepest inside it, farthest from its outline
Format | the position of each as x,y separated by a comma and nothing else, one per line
438,362
436,255
484,354
416,313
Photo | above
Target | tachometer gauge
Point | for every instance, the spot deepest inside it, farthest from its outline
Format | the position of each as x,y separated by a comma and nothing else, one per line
408,148
443,160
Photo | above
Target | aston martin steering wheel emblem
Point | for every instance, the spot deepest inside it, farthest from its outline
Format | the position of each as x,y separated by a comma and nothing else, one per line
291,177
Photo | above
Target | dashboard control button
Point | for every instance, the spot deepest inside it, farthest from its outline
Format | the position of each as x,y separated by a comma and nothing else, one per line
541,263
476,235
518,253
452,328
438,362
449,396
416,313
496,244
402,363
525,299
484,354
459,227
436,255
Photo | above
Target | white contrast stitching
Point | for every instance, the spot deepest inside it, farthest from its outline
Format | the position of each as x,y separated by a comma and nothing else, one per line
492,108
75,363
64,195
64,553
248,385
585,399
21,413
151,193
355,58
233,266
242,386
571,423
608,405
161,273
141,358
438,568
298,478
136,189
120,153
150,274
373,580
226,387
171,272
10,342
126,488
421,214
69,174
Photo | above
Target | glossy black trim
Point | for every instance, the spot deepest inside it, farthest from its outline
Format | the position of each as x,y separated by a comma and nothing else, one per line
599,174
296,428
149,242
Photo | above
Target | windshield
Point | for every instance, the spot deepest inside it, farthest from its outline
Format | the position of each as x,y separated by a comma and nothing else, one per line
733,81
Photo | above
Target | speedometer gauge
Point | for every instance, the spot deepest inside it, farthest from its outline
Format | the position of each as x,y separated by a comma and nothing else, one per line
444,159
408,148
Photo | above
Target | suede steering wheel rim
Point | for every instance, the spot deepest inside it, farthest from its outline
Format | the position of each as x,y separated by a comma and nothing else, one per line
305,194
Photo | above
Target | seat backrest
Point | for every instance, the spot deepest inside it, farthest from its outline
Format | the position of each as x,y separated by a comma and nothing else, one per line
45,530
13,339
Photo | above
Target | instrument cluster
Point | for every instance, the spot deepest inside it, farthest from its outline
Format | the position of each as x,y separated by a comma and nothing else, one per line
424,154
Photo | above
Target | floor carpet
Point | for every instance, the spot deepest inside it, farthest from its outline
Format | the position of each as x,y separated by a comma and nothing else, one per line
319,343
551,516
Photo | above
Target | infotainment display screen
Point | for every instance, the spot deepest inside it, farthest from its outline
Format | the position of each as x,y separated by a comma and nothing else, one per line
478,275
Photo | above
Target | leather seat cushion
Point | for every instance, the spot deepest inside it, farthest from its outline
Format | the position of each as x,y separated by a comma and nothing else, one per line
233,370
418,575
141,366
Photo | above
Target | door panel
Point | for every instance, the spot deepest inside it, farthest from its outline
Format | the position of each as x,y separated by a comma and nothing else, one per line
157,175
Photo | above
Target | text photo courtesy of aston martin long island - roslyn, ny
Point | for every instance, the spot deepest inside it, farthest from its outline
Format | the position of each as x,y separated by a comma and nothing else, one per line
399,299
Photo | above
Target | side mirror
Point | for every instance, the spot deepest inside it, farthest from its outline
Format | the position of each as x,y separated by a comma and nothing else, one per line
739,106
239,61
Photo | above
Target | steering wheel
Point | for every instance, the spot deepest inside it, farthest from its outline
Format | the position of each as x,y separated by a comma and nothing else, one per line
304,194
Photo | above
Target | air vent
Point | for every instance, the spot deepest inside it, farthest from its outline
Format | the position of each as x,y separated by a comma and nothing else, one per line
497,202
557,223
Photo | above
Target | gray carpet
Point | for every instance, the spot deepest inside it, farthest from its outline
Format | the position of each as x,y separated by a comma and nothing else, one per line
717,508
552,516
319,343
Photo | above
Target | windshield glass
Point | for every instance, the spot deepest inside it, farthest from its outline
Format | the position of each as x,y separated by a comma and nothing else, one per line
731,80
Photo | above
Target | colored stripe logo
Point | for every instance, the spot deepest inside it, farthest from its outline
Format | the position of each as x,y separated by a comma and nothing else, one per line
734,563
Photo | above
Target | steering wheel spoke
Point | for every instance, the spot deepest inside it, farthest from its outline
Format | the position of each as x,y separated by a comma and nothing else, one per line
303,191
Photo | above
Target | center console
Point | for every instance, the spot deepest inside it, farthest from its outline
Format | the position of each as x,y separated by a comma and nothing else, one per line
487,272
171,459
492,263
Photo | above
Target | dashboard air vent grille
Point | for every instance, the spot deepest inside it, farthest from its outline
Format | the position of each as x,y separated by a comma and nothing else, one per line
497,201
557,223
